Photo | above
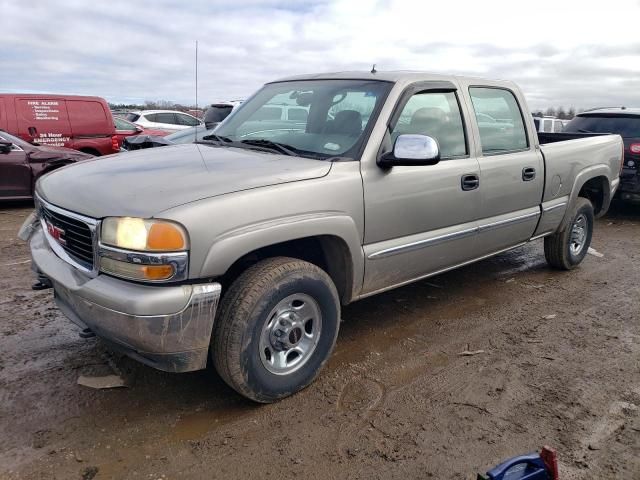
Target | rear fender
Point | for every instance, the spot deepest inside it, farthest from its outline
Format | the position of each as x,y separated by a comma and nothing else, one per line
599,170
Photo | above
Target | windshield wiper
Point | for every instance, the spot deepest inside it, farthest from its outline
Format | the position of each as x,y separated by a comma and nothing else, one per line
260,143
280,147
217,138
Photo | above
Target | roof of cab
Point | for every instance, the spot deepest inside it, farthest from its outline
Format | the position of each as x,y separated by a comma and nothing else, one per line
400,76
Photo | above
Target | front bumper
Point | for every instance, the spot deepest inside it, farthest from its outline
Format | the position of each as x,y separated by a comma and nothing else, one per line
166,327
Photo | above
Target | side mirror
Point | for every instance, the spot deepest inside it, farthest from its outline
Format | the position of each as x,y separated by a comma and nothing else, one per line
5,146
410,150
139,129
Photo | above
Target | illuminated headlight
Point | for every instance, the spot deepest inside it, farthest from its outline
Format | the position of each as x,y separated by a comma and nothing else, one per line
143,249
143,235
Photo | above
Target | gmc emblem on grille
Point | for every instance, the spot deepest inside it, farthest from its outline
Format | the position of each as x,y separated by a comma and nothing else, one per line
56,233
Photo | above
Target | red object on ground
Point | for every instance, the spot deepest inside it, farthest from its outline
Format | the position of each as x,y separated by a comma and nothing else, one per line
550,458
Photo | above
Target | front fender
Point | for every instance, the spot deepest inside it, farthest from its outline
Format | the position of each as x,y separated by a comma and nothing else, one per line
234,244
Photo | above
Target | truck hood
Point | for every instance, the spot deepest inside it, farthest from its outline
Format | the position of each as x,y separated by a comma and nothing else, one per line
146,182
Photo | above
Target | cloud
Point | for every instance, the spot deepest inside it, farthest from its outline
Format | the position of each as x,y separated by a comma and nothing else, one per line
561,53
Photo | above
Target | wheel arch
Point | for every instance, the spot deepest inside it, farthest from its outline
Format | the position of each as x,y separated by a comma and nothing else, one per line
332,243
593,184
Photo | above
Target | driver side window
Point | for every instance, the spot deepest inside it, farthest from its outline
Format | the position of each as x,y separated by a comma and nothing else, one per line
436,114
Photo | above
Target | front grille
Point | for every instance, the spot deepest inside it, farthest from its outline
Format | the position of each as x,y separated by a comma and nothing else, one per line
73,235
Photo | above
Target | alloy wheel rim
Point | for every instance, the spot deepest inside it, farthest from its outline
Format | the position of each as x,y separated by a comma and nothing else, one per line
290,334
578,234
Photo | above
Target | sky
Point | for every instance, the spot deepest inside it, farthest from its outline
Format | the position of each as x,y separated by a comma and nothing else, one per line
579,53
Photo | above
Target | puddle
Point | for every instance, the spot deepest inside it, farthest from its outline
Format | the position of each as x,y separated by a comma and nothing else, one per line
192,426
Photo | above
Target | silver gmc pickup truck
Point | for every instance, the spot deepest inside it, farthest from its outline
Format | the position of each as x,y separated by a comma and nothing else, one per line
241,249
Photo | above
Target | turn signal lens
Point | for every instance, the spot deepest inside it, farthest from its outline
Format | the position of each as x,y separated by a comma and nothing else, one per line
165,237
157,272
134,271
143,234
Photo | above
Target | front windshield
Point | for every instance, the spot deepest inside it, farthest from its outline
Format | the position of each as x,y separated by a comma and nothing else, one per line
336,117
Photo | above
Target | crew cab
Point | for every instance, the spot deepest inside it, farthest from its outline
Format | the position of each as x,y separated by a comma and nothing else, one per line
242,248
79,122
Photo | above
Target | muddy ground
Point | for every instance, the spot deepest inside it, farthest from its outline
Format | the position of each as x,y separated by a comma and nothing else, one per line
561,366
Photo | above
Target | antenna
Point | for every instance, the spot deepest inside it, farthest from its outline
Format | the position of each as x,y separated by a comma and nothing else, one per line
373,69
197,87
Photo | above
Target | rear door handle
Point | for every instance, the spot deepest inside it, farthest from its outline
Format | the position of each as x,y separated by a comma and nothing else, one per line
528,174
470,182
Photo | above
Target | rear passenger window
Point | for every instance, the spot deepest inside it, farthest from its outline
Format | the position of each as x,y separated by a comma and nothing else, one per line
557,126
546,126
187,120
436,114
507,134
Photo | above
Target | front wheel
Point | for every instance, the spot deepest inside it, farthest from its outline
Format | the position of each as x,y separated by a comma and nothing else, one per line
567,248
277,326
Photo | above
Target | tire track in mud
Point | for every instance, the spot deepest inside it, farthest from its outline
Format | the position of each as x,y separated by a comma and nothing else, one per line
363,398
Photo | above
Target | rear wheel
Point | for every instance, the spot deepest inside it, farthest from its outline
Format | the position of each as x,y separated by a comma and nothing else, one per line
277,326
567,248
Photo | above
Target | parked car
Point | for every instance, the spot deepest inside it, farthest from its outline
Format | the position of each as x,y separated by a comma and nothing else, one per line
22,163
548,124
243,249
126,129
217,112
189,135
168,120
81,123
626,123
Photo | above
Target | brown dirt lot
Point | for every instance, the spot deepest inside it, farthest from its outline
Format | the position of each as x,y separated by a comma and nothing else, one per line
561,366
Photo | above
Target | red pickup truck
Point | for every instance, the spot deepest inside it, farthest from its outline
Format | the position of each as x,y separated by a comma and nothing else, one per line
78,122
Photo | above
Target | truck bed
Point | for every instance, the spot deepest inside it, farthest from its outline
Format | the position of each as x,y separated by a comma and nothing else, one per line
568,154
548,137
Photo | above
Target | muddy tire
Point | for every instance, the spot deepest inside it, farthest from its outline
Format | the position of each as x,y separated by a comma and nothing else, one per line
567,248
276,328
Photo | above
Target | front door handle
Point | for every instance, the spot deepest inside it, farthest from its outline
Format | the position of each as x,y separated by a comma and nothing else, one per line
528,174
470,182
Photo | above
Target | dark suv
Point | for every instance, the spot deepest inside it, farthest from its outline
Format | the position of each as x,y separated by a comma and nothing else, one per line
626,123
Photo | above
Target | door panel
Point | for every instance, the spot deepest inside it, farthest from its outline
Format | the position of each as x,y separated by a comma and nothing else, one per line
511,171
4,124
509,201
15,175
43,120
418,219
